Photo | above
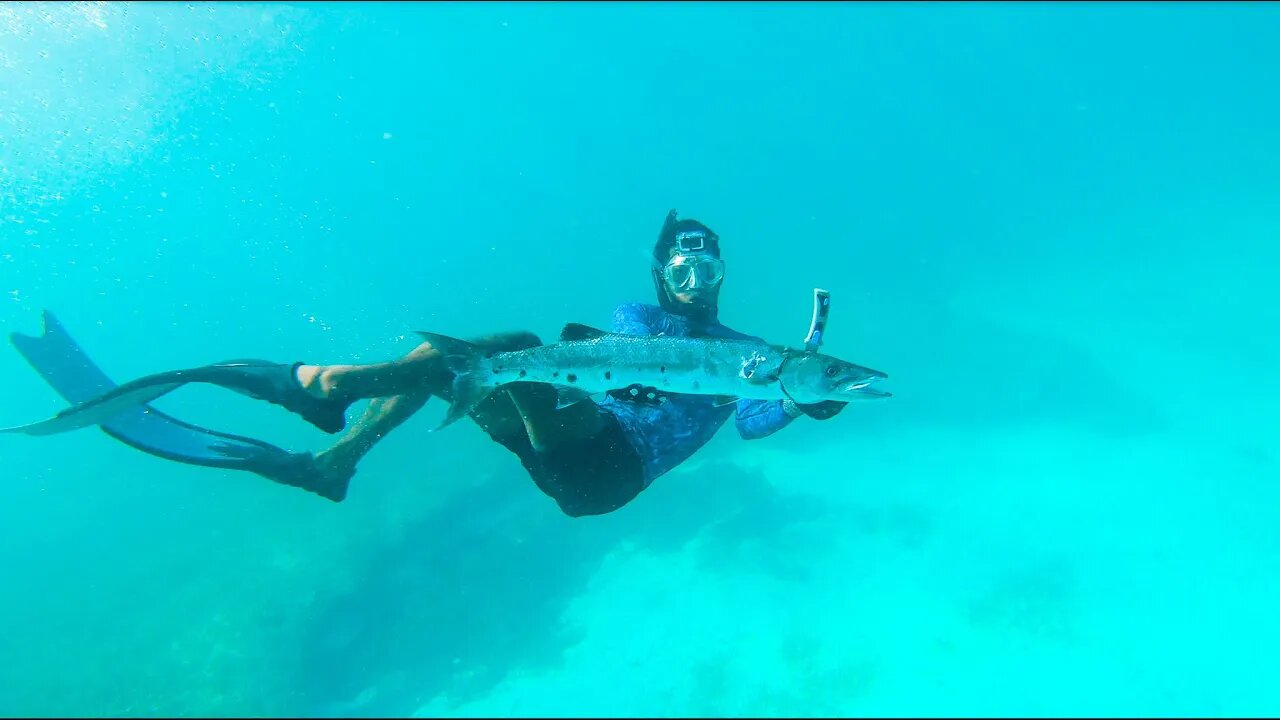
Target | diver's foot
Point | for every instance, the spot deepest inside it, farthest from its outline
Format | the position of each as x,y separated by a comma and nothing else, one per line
321,381
332,480
279,384
336,467
305,471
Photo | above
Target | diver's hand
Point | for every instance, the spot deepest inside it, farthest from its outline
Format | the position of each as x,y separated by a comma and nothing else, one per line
824,410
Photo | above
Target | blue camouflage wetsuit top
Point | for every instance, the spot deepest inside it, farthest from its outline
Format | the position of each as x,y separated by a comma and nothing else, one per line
666,434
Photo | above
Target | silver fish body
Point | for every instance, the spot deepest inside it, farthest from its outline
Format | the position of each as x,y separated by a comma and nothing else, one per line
671,365
588,361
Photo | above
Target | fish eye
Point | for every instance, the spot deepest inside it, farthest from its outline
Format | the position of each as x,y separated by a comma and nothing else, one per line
832,370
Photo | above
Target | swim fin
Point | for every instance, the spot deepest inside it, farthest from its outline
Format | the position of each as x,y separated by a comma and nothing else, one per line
121,412
260,379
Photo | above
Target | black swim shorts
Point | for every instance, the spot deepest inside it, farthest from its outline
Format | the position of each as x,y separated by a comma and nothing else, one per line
593,476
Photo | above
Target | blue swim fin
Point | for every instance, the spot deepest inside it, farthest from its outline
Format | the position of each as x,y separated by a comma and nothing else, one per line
74,376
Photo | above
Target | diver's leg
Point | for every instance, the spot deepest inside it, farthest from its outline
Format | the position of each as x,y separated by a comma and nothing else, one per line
321,394
496,415
422,370
422,367
383,415
570,452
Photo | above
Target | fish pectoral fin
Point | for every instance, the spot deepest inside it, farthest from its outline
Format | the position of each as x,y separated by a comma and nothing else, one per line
722,400
578,331
567,395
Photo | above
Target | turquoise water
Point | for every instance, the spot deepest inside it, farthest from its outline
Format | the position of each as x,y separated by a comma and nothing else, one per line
1054,225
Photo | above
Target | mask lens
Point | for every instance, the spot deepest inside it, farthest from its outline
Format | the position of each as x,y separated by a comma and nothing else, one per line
710,271
679,274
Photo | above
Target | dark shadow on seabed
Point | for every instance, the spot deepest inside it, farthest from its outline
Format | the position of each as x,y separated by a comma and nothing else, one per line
478,587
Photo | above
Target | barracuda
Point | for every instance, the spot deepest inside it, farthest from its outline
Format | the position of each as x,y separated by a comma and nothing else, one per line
587,361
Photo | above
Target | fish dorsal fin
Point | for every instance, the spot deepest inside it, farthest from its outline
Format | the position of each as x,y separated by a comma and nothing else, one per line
578,331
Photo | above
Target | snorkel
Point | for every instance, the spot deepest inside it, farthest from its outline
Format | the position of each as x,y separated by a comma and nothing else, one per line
818,322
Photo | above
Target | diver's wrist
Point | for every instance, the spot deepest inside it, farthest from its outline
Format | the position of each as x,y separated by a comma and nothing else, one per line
790,407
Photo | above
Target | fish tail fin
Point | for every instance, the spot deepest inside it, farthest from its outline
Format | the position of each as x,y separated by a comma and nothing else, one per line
469,365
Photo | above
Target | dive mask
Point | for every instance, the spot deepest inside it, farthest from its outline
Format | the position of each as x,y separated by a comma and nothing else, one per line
691,272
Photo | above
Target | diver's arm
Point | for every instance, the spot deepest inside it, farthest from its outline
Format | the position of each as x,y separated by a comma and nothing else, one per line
824,410
761,418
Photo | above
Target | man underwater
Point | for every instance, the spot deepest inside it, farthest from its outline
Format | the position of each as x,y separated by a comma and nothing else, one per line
590,457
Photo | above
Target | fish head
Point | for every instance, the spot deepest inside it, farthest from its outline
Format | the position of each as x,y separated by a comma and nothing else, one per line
812,377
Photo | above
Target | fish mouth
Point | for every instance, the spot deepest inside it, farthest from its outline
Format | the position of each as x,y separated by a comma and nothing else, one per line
861,386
